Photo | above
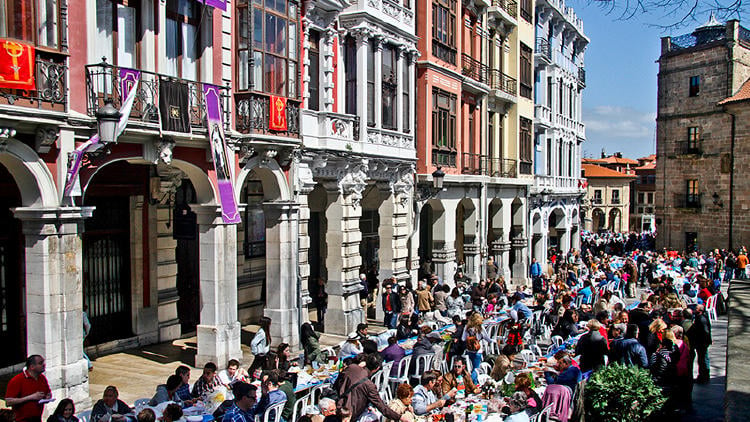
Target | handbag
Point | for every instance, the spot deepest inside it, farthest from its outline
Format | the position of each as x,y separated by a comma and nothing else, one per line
472,344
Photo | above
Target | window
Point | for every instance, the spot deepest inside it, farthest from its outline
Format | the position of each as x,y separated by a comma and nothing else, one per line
389,87
570,101
33,21
405,93
549,92
525,145
549,156
472,142
640,197
443,119
598,196
526,8
527,74
443,30
350,74
274,45
694,138
560,96
560,158
371,82
313,88
692,197
183,39
695,86
116,32
255,222
490,133
615,196
650,198
570,160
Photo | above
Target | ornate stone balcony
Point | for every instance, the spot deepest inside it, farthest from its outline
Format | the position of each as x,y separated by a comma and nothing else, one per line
503,90
328,130
503,15
542,115
556,184
542,52
390,11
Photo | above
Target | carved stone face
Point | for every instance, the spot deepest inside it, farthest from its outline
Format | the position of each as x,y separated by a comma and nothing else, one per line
165,152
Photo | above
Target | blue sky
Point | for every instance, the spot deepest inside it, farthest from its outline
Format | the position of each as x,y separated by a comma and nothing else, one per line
619,102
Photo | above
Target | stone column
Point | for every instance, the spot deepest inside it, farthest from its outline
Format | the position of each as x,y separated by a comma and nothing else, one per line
219,329
54,296
343,261
394,232
305,185
362,56
444,240
282,276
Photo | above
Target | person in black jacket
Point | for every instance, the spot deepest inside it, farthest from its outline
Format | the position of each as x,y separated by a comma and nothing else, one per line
592,347
566,327
391,306
700,338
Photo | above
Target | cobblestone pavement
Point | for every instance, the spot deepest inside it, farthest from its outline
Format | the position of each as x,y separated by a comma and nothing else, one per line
708,399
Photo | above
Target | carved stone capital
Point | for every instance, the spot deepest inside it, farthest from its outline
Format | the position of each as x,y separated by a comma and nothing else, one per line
46,136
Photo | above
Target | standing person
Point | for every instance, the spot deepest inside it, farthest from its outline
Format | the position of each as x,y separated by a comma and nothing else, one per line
742,264
454,303
592,347
26,389
441,295
407,300
699,335
261,344
357,391
491,268
424,298
321,302
536,276
364,291
473,335
86,331
391,306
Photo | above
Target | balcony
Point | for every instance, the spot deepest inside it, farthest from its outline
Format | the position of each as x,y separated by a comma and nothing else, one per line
503,15
471,163
543,116
474,69
694,147
561,184
51,91
503,90
253,115
443,52
103,82
581,77
561,120
615,201
543,51
328,130
391,11
525,167
597,201
688,201
500,167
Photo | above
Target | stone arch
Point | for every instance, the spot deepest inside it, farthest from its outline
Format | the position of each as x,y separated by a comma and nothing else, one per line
614,220
205,190
31,174
466,233
275,185
598,219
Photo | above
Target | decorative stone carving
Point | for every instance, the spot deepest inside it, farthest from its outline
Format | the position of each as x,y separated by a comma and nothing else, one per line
45,138
402,183
354,181
165,150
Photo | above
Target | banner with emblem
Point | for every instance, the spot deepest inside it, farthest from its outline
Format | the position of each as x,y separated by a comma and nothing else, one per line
277,113
218,4
129,79
16,65
174,105
222,165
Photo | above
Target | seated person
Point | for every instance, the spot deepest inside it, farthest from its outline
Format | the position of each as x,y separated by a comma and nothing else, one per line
393,353
146,415
459,379
207,382
184,391
110,408
239,410
167,392
271,394
350,347
565,373
504,362
521,309
172,413
233,373
424,400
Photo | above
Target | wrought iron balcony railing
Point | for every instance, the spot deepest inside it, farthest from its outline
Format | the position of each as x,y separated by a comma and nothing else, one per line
500,167
510,6
687,200
581,76
543,48
694,147
443,52
474,68
253,115
525,167
500,81
51,91
103,82
472,163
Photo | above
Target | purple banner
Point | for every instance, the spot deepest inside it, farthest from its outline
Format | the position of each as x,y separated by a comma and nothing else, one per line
128,88
218,4
215,119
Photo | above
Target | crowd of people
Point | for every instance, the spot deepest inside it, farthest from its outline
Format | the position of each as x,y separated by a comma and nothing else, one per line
616,299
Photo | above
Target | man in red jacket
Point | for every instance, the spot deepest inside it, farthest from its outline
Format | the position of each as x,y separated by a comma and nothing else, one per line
27,391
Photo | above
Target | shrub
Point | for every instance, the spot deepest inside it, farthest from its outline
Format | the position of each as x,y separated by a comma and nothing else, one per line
621,393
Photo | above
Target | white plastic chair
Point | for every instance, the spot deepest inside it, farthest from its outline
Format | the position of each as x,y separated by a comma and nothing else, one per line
317,391
485,368
299,407
385,395
422,364
84,416
543,416
711,308
557,341
528,356
492,348
139,403
537,350
402,375
273,413
386,374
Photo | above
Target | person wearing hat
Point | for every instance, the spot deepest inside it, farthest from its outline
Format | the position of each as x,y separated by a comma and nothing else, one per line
350,347
391,306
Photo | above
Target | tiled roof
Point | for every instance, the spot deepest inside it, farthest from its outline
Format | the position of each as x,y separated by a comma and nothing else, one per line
648,166
743,94
592,170
610,160
651,157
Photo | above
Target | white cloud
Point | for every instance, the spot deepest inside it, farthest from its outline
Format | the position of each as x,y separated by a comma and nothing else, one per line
617,128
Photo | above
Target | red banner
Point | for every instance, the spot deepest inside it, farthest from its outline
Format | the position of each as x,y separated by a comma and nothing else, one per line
16,65
277,113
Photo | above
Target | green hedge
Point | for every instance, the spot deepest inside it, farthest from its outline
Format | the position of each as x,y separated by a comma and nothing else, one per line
622,393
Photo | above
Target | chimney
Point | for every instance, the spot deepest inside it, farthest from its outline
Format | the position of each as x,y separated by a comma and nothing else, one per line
618,154
604,154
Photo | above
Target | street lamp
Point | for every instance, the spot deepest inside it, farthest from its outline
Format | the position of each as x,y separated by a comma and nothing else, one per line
107,119
437,179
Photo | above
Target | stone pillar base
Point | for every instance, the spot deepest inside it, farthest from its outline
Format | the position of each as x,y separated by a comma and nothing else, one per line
285,326
218,344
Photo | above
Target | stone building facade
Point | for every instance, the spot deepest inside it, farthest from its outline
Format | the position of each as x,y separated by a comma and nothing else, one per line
607,199
642,217
699,193
559,132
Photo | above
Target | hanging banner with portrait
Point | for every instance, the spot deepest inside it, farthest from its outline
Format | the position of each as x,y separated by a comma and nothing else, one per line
214,117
